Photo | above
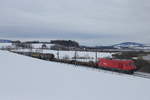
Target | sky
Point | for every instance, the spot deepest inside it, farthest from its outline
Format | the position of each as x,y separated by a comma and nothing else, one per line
95,22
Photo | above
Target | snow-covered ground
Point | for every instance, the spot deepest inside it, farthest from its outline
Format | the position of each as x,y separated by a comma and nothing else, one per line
26,78
147,57
34,45
5,45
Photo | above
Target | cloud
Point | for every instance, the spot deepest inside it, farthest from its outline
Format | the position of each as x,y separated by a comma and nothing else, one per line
91,19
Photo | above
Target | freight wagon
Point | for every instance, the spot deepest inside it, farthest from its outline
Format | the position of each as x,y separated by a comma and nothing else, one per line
44,56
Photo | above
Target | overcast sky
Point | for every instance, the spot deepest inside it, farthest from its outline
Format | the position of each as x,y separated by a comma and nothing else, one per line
105,21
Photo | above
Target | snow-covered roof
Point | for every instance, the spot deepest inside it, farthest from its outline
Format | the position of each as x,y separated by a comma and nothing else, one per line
25,78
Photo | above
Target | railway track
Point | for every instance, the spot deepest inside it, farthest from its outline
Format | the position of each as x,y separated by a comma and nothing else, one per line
93,67
135,74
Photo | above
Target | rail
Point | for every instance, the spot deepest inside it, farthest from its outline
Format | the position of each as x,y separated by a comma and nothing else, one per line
94,67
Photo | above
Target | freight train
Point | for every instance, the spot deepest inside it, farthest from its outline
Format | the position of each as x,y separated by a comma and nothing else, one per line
123,66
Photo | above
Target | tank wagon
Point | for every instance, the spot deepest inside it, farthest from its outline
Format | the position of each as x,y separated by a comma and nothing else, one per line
124,66
44,56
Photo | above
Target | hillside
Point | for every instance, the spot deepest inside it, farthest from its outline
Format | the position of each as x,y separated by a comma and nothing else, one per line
128,45
25,78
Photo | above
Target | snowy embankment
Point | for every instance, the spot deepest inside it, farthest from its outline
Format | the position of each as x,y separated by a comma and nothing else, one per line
25,78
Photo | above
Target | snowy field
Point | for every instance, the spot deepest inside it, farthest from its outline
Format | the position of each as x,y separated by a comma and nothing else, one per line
26,78
34,45
4,45
147,57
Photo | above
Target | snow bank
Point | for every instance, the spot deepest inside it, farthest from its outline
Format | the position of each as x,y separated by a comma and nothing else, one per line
25,78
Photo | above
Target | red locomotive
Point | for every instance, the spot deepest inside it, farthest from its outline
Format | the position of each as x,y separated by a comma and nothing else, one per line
125,66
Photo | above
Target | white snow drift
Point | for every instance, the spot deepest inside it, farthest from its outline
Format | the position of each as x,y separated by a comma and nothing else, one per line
25,78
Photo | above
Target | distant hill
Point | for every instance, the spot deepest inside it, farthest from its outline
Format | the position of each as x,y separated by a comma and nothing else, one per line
128,45
124,45
5,41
